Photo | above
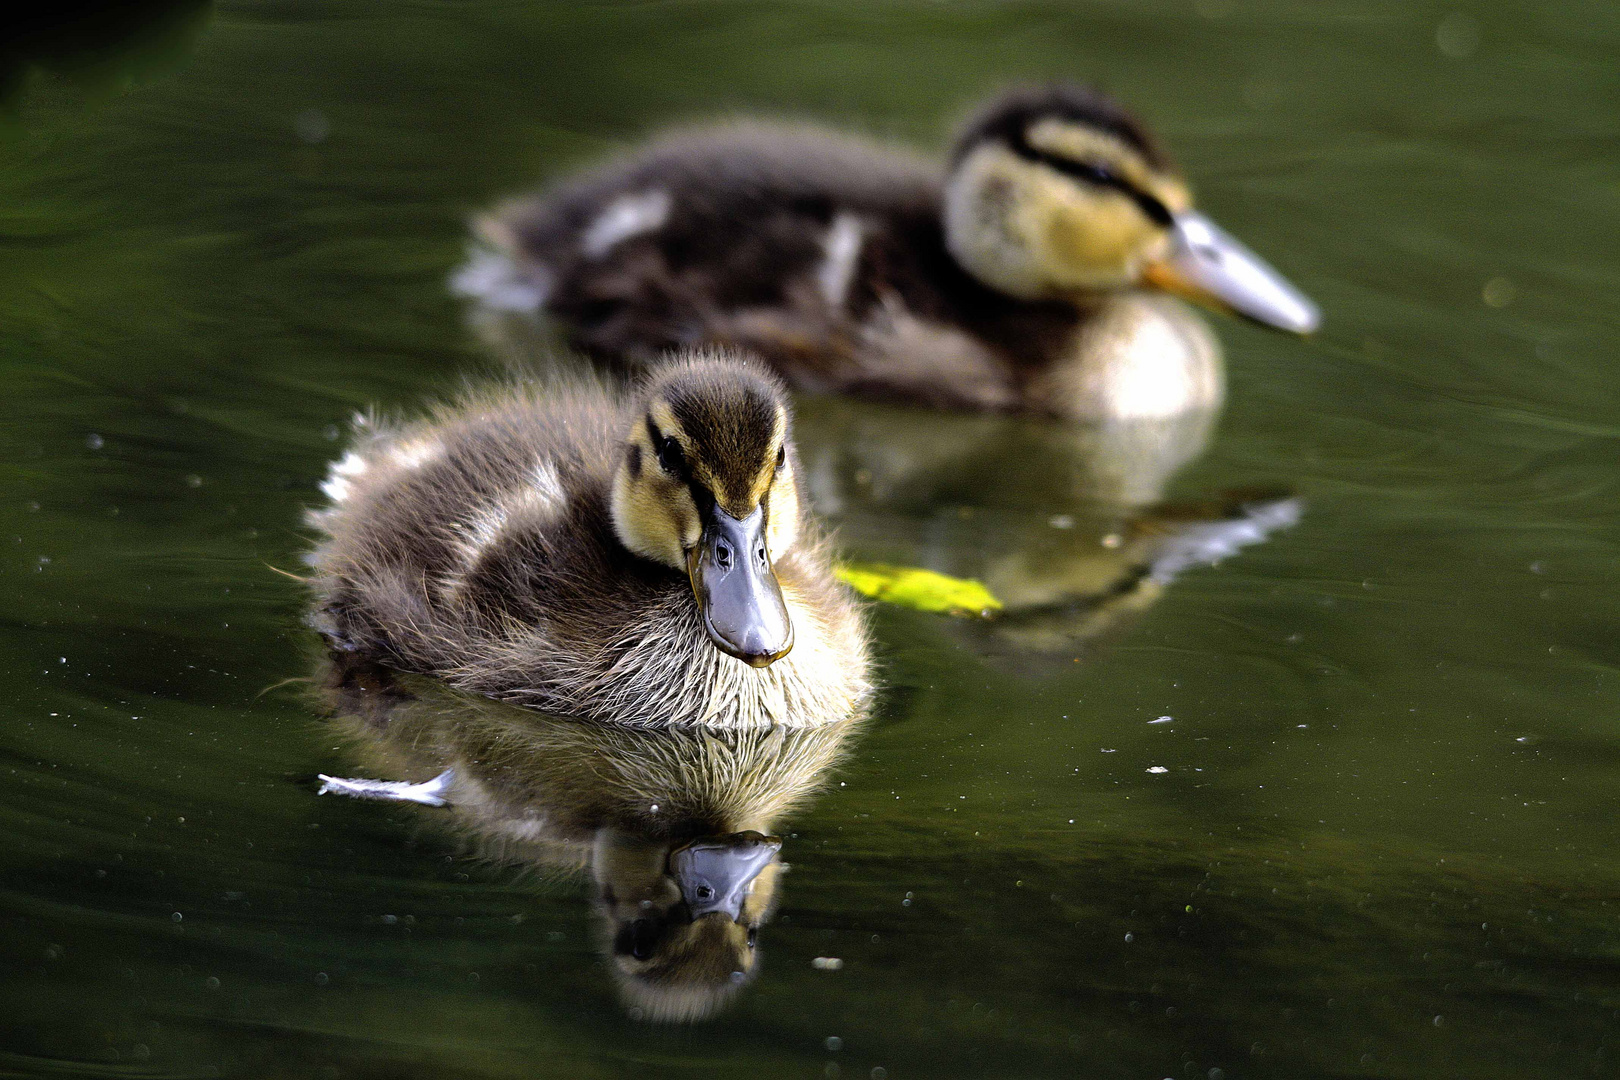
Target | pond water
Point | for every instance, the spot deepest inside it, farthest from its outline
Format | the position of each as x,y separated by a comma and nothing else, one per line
1374,837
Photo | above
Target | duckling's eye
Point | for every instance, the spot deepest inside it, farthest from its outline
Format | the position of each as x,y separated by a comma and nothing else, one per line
670,456
781,456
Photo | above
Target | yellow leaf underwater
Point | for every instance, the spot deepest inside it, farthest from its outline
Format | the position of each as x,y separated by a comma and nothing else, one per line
914,587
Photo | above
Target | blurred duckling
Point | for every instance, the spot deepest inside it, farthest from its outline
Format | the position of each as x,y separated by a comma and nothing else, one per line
1035,276
673,825
638,558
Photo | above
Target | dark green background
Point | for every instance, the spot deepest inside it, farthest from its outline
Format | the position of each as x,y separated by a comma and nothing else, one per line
1398,858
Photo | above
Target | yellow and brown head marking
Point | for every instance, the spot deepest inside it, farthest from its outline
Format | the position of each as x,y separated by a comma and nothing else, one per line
1057,191
706,485
726,424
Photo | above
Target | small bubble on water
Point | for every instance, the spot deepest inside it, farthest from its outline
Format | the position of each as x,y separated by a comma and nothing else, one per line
176,917
322,978
212,983
94,441
834,1043
1129,938
1217,1074
312,126
1438,1020
193,480
1498,292
879,1072
1457,36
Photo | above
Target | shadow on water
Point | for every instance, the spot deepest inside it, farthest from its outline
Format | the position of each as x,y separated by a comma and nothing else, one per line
99,46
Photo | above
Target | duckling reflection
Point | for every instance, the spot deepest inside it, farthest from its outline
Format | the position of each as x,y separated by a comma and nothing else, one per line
1067,525
675,826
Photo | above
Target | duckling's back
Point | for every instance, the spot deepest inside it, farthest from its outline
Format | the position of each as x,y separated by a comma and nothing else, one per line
821,252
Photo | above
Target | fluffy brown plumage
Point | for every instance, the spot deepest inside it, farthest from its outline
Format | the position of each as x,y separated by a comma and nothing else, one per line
1011,281
486,546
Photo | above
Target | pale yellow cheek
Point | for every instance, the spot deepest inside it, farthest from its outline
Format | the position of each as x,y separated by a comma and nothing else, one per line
1095,241
782,531
655,520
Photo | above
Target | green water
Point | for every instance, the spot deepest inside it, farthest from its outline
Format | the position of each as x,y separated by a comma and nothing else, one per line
1384,841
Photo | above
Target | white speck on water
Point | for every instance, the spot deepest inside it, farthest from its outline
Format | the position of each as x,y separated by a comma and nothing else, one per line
312,126
94,441
1162,720
827,963
655,808
1129,938
1157,769
1061,521
1108,750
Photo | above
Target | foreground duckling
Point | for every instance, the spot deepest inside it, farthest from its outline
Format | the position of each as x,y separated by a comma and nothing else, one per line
673,825
1033,277
637,557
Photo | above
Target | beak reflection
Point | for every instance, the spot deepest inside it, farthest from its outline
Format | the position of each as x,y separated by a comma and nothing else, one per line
737,591
715,874
1208,265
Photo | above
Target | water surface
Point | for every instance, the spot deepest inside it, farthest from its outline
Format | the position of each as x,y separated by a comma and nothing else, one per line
1378,835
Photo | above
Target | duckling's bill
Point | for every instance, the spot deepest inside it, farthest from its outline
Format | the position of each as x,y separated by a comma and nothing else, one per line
1208,265
715,874
737,591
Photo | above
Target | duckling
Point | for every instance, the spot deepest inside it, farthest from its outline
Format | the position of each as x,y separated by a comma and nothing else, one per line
673,825
636,557
1034,277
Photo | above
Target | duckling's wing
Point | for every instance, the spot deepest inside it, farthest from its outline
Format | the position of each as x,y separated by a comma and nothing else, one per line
748,233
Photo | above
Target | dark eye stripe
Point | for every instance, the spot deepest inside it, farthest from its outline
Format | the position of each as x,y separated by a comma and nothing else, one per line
1097,175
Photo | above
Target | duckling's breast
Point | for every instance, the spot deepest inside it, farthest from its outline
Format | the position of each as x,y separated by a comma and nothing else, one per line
1138,356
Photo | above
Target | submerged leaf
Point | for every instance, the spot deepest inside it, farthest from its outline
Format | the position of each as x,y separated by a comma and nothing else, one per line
914,587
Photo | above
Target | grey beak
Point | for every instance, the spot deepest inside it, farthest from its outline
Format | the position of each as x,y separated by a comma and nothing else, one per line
737,591
1209,265
714,873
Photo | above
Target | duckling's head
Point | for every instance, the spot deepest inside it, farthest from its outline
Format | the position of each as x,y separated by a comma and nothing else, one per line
682,922
706,485
1056,191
